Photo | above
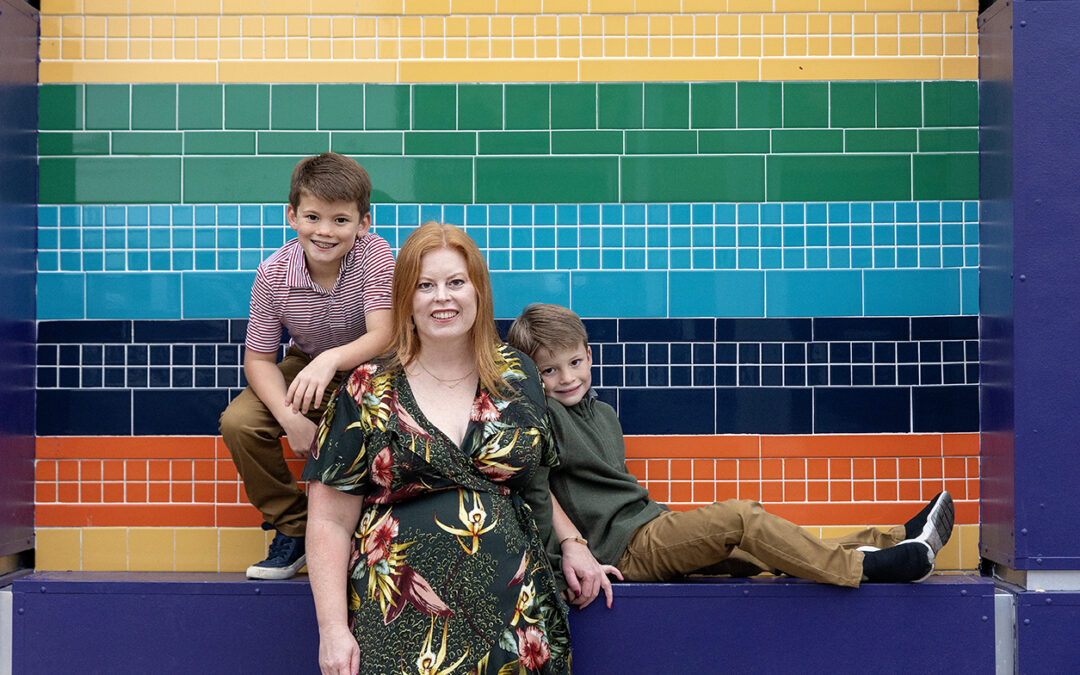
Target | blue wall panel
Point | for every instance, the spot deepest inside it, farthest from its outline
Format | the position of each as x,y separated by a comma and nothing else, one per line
1030,62
18,241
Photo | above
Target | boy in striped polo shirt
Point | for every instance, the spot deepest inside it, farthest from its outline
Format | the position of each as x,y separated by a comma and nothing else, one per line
330,288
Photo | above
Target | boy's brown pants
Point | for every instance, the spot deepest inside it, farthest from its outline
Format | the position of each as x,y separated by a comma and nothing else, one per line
252,436
739,537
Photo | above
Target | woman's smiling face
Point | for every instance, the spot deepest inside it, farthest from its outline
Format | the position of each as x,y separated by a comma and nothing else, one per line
444,301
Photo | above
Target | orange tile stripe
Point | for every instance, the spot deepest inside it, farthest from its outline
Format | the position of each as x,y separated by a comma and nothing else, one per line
813,480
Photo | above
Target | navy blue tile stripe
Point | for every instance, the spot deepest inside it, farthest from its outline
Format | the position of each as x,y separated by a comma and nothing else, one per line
665,376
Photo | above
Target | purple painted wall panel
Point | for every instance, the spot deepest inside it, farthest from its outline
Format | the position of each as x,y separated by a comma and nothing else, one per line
1046,632
1030,462
777,625
18,244
162,623
193,623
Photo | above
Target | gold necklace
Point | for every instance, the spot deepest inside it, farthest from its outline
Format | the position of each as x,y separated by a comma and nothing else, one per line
452,382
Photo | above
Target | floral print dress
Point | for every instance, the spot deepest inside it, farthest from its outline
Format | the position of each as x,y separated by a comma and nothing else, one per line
447,572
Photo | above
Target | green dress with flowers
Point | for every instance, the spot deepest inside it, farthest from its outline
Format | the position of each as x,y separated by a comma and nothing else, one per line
447,572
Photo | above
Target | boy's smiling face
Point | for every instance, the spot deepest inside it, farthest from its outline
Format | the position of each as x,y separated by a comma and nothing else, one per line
567,372
326,231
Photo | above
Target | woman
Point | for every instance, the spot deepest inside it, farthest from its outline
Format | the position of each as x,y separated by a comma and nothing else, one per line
422,555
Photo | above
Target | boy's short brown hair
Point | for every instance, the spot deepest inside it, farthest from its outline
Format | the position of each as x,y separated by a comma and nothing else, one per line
332,178
546,326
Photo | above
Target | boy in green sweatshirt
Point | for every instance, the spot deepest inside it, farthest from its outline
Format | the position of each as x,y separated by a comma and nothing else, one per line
617,528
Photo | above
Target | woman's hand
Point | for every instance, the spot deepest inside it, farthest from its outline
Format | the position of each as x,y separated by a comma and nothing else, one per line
338,652
585,576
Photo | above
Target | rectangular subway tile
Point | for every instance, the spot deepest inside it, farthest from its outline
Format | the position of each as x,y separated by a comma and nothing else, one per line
862,410
527,106
61,295
666,411
763,330
341,107
190,330
945,409
200,106
214,295
813,293
869,329
60,107
84,331
86,412
690,179
133,295
586,142
219,142
600,293
666,330
292,142
367,142
838,177
766,410
911,292
514,290
73,143
147,143
97,180
178,412
717,293
543,179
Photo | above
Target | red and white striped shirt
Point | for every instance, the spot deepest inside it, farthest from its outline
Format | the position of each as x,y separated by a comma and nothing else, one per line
284,294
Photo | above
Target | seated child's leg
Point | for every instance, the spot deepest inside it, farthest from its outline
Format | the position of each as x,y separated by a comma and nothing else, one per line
677,543
870,536
253,438
739,563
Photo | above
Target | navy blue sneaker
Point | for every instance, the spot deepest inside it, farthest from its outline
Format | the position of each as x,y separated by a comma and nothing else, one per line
284,560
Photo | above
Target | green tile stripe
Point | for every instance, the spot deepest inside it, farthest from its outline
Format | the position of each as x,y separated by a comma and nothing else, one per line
627,142
467,107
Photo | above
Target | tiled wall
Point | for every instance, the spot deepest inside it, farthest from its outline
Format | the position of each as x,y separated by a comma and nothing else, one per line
500,41
765,211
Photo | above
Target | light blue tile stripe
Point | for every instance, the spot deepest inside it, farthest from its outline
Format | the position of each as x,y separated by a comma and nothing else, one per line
630,260
542,237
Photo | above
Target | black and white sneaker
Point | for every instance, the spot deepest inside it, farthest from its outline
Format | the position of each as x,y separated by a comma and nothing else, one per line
909,561
934,524
284,560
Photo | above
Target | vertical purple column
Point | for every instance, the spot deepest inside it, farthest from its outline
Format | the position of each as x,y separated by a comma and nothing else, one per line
18,245
1029,172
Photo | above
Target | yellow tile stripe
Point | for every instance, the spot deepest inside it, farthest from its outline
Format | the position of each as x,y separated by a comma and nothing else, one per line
485,40
232,549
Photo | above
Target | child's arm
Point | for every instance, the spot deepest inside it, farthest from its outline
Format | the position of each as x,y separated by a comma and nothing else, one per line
269,385
585,576
309,385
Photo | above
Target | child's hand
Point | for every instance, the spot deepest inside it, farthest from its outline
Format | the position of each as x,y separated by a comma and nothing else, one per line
301,432
309,385
585,576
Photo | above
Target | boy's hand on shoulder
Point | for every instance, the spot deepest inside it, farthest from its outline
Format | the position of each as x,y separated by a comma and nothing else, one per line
309,385
585,576
301,432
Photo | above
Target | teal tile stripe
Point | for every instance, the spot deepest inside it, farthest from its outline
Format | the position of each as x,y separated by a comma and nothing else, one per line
745,259
482,144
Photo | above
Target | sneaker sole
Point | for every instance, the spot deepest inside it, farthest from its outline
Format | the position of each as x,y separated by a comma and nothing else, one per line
939,523
276,573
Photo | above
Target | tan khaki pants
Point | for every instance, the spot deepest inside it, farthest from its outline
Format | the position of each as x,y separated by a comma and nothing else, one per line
252,436
739,537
